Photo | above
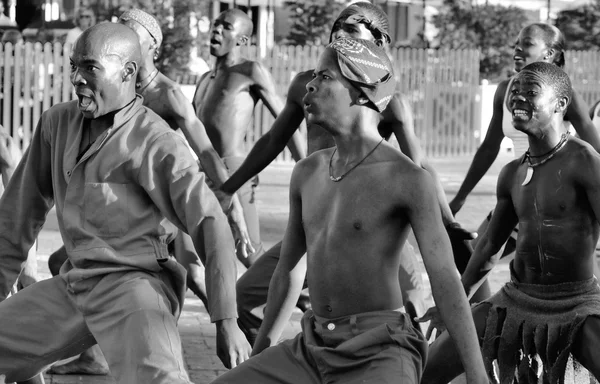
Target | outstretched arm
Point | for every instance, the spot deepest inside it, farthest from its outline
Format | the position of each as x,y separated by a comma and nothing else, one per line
502,223
577,114
274,141
286,283
486,154
425,219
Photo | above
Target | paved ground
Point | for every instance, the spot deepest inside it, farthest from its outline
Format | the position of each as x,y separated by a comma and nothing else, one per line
196,330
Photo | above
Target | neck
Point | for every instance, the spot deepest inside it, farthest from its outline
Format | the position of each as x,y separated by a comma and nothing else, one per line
545,142
357,141
146,69
228,60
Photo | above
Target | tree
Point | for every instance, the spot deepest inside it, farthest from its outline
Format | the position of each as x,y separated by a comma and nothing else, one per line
174,18
581,26
311,21
492,29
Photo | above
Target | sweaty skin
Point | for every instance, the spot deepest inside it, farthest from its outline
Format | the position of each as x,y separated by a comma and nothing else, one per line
557,213
353,255
226,96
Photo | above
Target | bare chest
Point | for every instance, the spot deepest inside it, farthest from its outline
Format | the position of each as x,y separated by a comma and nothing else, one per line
227,89
548,193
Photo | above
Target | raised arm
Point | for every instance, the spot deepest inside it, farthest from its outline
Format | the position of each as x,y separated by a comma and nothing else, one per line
577,114
425,218
486,154
504,220
266,149
288,278
172,180
26,200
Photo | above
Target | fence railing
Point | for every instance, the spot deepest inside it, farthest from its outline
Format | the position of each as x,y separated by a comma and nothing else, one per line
442,87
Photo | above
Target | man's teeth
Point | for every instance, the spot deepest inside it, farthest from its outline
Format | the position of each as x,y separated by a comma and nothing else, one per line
520,113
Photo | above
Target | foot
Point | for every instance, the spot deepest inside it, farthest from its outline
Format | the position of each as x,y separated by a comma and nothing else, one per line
80,367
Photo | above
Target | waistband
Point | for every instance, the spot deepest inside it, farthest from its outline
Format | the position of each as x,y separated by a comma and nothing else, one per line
360,321
554,291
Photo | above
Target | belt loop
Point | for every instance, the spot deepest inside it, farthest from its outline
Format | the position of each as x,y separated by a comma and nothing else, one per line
353,325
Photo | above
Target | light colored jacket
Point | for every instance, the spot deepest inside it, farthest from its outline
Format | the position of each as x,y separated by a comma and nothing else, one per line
119,206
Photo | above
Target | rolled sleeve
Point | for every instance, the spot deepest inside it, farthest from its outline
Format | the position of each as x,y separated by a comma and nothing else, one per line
173,181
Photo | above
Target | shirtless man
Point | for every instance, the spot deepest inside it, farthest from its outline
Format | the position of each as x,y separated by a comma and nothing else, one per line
551,306
224,101
360,20
357,330
123,183
165,98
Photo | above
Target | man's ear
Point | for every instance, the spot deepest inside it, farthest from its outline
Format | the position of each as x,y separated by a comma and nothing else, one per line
243,40
130,70
562,103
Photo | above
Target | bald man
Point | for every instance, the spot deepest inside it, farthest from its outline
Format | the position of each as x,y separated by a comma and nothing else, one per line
224,101
164,97
123,183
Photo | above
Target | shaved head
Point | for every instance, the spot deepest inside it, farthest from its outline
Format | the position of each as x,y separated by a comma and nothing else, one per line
246,25
104,65
110,39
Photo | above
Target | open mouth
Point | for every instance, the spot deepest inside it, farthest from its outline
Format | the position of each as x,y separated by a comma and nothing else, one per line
215,41
520,115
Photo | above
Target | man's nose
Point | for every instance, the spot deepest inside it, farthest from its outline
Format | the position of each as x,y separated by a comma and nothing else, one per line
310,87
76,77
338,34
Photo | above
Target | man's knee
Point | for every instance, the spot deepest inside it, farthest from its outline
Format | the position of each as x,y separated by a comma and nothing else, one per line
585,346
56,260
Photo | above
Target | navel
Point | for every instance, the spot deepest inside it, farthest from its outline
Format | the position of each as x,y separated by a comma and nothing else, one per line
357,225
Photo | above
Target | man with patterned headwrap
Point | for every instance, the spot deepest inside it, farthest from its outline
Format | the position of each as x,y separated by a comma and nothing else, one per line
357,330
360,20
166,99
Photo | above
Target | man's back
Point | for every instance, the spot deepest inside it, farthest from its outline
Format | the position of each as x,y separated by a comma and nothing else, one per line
356,228
224,102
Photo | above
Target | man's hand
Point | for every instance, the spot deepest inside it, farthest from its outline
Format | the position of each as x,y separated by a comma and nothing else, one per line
7,159
232,346
462,249
436,322
243,245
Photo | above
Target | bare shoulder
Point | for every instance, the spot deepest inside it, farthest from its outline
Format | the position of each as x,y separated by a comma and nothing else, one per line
398,169
311,164
508,172
581,155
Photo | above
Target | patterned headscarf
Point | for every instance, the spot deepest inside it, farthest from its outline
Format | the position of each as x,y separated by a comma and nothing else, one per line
373,17
368,68
146,21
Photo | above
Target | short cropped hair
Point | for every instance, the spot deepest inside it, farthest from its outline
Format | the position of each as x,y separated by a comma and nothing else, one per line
553,75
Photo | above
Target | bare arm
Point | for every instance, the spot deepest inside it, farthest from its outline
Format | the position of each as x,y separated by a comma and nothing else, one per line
266,149
265,88
501,225
286,283
577,114
399,115
486,154
425,219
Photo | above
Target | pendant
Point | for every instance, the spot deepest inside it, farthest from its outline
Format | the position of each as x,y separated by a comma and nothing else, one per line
336,179
528,176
